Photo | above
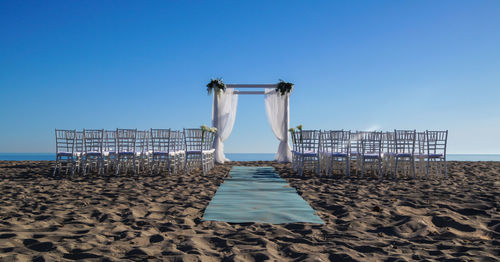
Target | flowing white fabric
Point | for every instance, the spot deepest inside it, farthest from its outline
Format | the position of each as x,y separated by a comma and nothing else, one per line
223,115
277,110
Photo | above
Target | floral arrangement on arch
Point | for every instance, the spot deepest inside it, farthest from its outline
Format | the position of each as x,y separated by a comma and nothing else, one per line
284,87
217,85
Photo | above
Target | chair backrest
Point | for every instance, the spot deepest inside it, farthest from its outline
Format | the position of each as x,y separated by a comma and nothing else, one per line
295,144
142,141
404,141
371,143
309,140
355,141
436,142
109,144
193,139
125,140
336,141
79,146
65,141
388,142
421,143
208,140
179,141
161,140
93,140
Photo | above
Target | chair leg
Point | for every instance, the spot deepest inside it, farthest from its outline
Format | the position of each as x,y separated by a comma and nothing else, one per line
55,167
134,165
203,168
362,167
380,168
318,168
413,166
427,168
348,166
445,169
396,167
117,171
301,167
101,162
84,165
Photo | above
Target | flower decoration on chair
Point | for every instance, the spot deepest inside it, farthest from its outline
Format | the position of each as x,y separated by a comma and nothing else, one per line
299,127
284,87
205,128
216,84
292,133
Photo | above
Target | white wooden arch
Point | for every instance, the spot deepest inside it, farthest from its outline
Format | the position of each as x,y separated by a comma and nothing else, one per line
252,89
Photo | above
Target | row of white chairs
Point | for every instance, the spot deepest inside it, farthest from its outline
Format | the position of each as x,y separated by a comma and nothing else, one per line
120,150
386,153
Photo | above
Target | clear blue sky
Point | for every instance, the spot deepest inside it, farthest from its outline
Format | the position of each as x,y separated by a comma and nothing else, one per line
355,65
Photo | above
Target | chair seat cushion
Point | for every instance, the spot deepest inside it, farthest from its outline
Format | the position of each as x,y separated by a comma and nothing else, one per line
400,154
93,153
309,153
336,154
209,151
126,153
370,155
193,152
64,154
435,155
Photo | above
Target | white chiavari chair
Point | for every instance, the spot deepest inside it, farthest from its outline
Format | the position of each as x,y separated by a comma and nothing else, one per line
125,145
336,151
308,157
142,150
208,150
65,145
196,154
436,151
371,152
162,157
295,150
387,150
403,153
79,150
194,145
420,153
109,149
180,150
355,149
93,158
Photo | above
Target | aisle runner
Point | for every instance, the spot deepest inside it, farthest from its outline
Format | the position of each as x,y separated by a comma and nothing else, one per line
258,194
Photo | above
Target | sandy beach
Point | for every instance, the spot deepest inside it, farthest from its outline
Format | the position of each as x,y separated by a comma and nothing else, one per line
159,218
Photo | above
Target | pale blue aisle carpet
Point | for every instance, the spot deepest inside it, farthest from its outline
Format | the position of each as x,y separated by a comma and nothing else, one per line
258,194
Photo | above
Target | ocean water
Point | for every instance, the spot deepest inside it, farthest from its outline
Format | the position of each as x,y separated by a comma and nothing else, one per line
239,157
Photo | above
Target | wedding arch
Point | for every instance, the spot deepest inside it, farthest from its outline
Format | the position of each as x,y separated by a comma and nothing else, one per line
225,101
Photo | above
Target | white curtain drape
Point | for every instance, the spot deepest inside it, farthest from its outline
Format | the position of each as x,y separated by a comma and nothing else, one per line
223,115
277,111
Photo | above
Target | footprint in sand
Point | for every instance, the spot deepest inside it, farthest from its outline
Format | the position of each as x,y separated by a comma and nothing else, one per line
36,245
7,235
156,238
446,221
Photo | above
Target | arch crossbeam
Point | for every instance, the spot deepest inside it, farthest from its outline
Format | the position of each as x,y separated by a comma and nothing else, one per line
253,86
